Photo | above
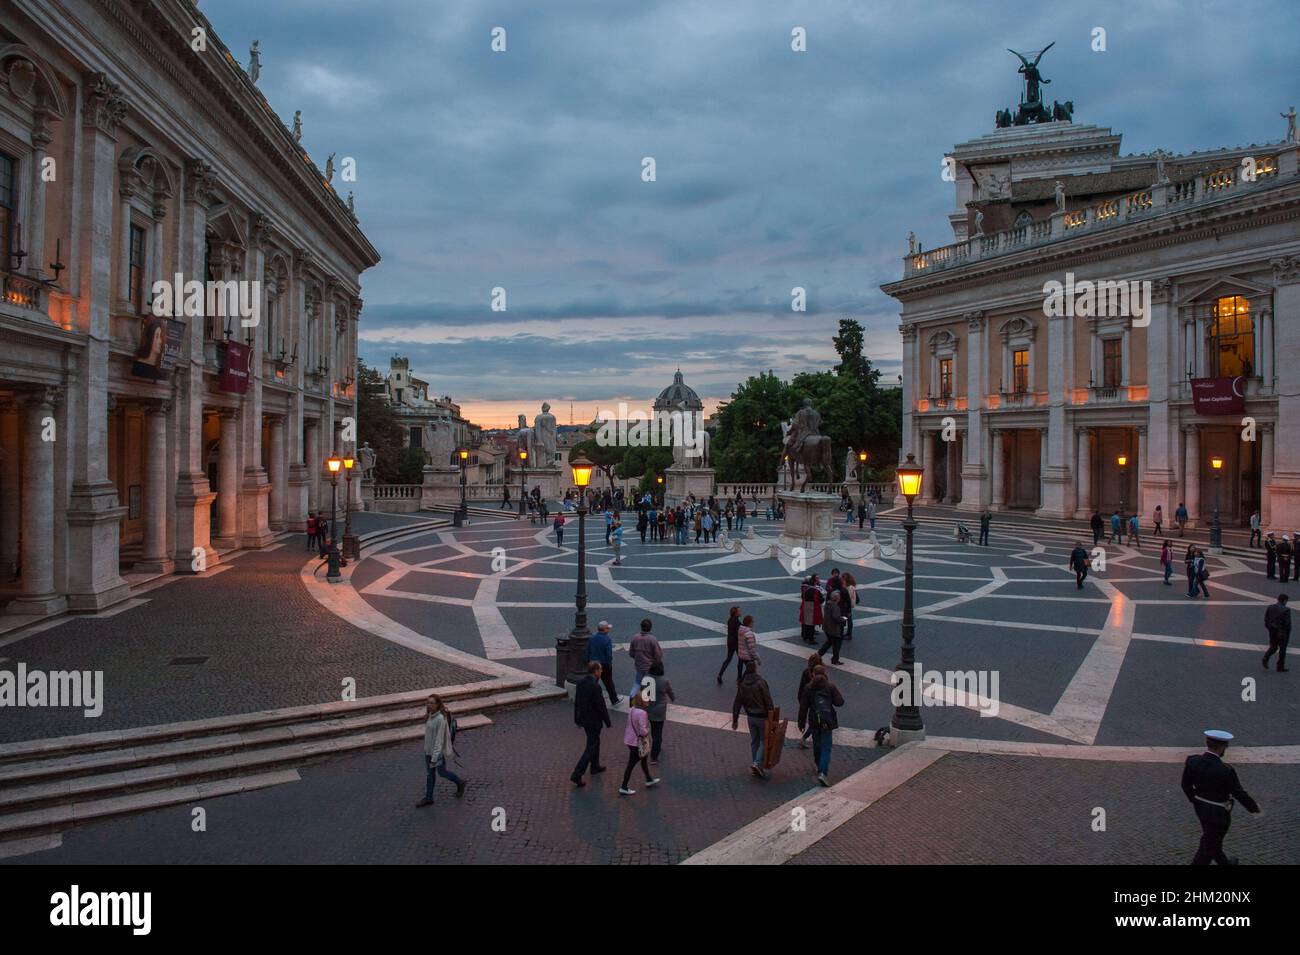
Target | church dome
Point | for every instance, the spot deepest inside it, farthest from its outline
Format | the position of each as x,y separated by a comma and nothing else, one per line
678,395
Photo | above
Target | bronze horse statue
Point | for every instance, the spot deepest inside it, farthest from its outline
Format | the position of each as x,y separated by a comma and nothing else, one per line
815,453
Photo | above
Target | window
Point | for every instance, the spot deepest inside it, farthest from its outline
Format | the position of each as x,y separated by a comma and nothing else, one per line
6,210
417,437
945,377
1231,338
1020,371
1112,362
135,282
1024,219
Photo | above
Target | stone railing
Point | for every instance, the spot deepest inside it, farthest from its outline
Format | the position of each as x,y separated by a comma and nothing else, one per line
23,292
1157,199
385,492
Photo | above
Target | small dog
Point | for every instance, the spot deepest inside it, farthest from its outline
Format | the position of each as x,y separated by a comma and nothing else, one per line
882,735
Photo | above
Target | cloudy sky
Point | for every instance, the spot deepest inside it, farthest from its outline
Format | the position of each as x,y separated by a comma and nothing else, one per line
523,169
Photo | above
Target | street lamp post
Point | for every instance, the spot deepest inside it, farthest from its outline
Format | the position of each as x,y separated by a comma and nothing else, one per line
350,549
1122,461
523,482
571,649
1216,530
659,480
334,463
907,724
862,478
463,511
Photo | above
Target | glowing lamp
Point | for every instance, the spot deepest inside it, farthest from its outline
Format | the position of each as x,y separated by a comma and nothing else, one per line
581,470
334,462
523,455
1216,462
348,462
1122,460
862,456
909,478
464,454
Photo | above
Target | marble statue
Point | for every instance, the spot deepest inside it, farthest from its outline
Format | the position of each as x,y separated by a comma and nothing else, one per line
911,243
297,126
441,443
524,442
979,222
544,437
1161,174
850,465
366,457
1291,135
329,168
1060,196
352,206
254,63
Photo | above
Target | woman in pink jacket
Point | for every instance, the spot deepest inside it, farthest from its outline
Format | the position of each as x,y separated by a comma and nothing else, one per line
637,738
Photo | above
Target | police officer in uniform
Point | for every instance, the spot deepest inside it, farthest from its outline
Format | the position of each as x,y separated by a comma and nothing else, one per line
1270,555
1211,785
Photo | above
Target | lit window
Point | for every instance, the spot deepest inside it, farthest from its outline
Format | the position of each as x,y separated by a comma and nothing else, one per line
1020,371
1231,338
1112,362
945,377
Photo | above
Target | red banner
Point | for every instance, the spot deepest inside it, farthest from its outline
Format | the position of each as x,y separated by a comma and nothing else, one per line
234,372
1219,395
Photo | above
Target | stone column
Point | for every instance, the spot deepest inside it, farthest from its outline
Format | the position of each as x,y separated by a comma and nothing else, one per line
1138,472
973,474
279,474
1192,474
155,557
995,449
1084,471
35,238
11,472
228,488
1265,475
37,552
1285,484
313,463
952,466
93,514
1055,495
1158,459
1043,444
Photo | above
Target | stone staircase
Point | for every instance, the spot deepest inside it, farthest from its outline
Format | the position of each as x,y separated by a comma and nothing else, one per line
52,784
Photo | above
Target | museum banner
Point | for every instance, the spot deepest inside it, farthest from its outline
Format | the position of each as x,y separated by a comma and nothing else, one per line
161,342
234,370
1219,395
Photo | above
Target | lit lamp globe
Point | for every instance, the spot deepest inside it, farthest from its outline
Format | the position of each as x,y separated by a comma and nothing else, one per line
909,479
464,455
334,462
862,457
1216,462
1122,460
523,456
581,470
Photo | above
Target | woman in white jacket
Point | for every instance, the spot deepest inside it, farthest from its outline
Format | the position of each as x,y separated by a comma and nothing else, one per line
438,746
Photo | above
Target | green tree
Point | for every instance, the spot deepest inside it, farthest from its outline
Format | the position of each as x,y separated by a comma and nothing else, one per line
747,444
378,426
645,463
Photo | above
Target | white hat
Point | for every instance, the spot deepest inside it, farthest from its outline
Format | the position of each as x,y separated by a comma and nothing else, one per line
603,625
1222,736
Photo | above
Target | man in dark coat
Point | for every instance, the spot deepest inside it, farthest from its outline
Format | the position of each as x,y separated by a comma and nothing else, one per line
1284,558
589,712
1079,564
817,703
1270,555
1211,785
833,627
1097,524
1277,619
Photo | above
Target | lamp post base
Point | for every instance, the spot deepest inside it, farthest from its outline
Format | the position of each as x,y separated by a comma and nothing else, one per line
897,737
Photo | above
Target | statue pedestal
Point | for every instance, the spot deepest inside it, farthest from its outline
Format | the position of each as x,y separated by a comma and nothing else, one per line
809,519
440,486
550,480
683,482
367,494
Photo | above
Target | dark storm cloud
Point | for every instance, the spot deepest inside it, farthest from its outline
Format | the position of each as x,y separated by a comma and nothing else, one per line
774,169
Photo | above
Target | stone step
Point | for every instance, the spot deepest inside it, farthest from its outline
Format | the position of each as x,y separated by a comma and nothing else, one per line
18,803
247,722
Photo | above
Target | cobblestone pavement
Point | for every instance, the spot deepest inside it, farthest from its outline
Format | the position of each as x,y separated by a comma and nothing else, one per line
265,642
359,808
969,808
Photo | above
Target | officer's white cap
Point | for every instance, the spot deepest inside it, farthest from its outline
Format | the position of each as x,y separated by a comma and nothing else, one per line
1222,736
603,625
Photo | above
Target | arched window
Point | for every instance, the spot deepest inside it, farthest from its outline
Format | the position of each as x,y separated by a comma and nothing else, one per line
1231,338
1024,219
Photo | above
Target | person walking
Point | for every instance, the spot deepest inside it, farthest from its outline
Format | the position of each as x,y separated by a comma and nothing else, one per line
1284,558
311,530
637,739
1199,576
730,515
616,538
661,691
698,523
1116,526
609,523
1277,620
862,514
1133,532
558,527
439,743
645,651
1211,785
986,518
741,513
810,609
663,524
814,661
833,627
733,637
505,498
755,698
1079,564
600,649
1167,560
642,523
871,512
1255,539
849,590
817,706
1096,524
1270,556
746,645
1180,517
707,523
1158,520
589,712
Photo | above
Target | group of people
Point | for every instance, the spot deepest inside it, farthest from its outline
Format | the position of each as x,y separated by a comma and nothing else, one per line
829,607
1280,557
318,532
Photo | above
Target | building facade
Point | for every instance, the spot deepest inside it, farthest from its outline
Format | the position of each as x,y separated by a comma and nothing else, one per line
136,436
1106,328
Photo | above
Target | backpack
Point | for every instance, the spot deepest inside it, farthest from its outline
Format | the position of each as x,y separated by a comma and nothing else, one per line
1203,574
823,708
